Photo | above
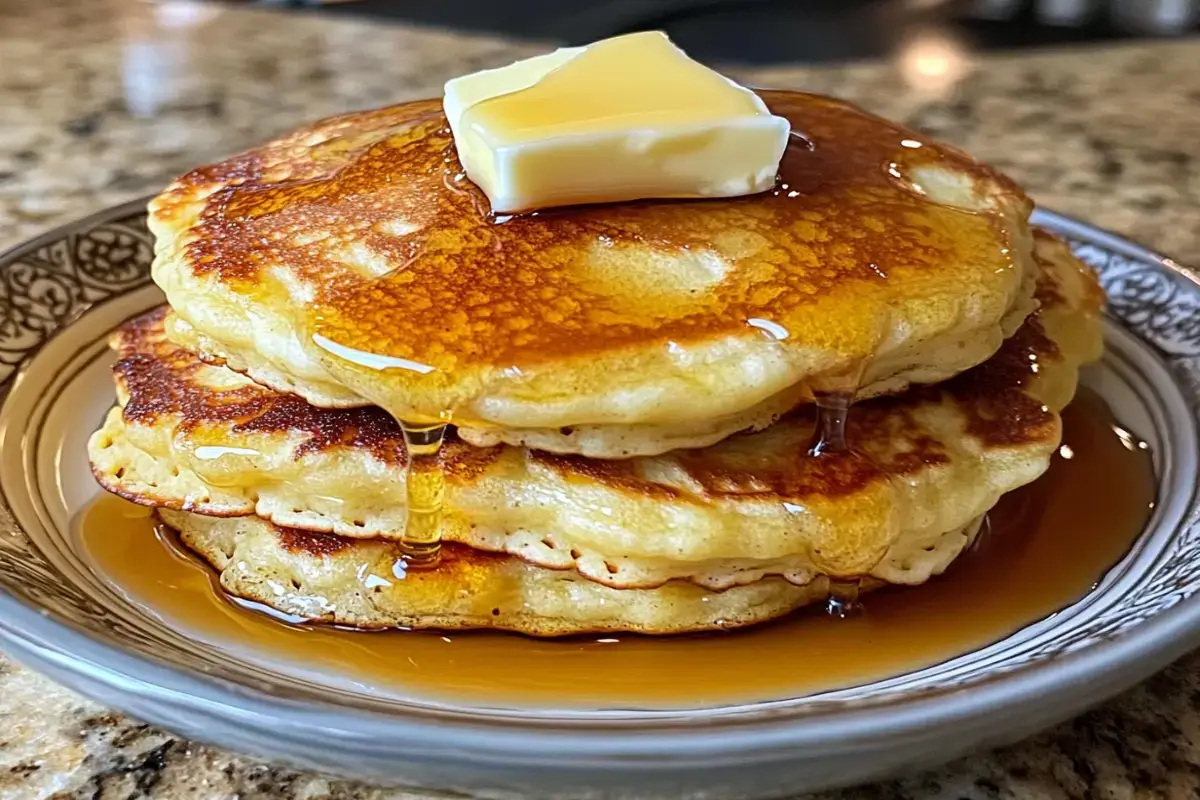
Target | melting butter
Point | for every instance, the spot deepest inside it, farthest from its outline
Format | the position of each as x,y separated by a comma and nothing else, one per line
626,118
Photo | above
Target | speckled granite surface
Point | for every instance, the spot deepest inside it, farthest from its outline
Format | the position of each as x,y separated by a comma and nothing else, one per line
103,101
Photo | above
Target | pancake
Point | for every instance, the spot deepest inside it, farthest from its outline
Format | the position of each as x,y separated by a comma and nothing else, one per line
198,437
351,262
362,583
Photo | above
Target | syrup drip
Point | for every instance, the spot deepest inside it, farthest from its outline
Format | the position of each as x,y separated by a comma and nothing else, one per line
843,599
829,436
425,489
1047,546
425,483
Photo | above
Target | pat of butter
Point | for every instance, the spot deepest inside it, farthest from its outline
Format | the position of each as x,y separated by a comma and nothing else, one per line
622,119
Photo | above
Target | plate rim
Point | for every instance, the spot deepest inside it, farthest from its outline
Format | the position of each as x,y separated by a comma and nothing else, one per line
769,735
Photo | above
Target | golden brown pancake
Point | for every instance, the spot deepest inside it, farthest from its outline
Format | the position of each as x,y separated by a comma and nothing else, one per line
198,437
362,582
350,261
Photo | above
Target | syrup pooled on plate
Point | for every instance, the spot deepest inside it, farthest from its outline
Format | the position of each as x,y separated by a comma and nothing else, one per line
1046,546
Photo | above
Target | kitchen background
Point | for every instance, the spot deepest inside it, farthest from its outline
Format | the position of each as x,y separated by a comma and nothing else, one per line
765,31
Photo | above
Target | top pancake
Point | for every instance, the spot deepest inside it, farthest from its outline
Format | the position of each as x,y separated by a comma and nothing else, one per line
352,256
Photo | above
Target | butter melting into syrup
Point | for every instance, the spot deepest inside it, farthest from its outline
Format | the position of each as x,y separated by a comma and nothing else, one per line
1046,546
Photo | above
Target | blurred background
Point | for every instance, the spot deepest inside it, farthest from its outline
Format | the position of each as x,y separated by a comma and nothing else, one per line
768,31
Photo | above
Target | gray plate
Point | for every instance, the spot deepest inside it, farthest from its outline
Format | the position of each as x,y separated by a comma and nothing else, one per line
61,293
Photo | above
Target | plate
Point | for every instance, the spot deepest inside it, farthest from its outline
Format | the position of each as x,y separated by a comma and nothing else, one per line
61,293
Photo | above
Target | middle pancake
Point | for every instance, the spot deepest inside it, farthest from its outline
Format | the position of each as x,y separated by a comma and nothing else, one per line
202,438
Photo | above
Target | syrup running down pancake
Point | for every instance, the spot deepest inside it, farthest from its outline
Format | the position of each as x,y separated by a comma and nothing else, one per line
351,262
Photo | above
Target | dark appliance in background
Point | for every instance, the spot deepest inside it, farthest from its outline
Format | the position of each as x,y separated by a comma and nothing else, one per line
769,31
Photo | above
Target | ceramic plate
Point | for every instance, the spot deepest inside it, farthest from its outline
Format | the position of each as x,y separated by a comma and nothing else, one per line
60,295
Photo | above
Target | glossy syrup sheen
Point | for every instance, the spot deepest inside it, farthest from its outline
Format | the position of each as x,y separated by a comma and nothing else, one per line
1045,547
411,271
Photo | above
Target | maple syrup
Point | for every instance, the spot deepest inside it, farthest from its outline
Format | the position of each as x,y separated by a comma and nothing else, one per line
843,599
829,435
425,488
424,478
829,438
1045,546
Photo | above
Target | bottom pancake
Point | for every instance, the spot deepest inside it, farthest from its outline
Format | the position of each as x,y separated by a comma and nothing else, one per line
363,583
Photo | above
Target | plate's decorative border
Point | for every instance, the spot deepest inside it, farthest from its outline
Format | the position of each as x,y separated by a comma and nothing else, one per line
1155,303
47,283
43,289
1160,307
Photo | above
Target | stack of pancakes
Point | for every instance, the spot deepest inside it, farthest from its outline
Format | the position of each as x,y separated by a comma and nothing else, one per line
636,390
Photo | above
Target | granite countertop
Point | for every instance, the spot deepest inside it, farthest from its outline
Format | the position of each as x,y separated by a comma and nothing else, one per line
101,101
